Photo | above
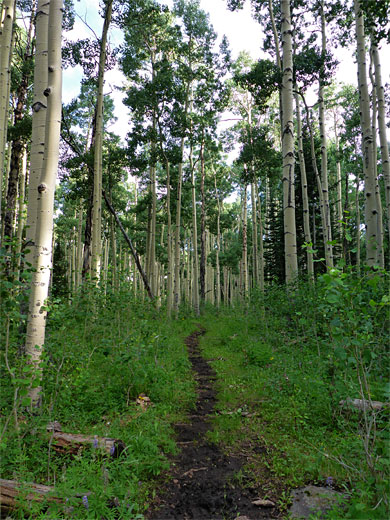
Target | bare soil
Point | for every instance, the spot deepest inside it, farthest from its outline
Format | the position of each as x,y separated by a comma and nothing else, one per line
202,483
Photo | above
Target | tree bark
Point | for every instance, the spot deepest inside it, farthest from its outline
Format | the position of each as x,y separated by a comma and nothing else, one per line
371,209
290,239
36,321
7,21
324,152
305,197
97,193
202,227
382,130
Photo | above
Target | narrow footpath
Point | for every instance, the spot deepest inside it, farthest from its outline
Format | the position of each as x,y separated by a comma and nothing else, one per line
202,484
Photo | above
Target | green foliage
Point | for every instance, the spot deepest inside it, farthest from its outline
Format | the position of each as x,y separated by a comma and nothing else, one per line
288,362
101,353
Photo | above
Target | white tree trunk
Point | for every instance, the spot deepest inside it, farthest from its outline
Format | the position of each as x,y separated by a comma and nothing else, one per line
6,26
36,321
290,239
305,197
382,130
97,187
371,209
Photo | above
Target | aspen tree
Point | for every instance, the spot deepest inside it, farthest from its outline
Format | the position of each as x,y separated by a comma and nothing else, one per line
324,150
218,246
382,129
176,285
305,197
202,224
169,242
195,271
371,209
6,32
290,239
98,186
21,210
39,108
244,270
36,320
261,241
339,202
380,251
79,266
255,255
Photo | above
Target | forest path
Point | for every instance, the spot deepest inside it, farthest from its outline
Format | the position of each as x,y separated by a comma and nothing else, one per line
202,484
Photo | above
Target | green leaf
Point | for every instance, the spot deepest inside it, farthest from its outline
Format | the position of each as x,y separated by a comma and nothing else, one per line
26,401
340,353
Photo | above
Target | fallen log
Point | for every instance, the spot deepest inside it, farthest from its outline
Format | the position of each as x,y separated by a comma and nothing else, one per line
363,404
10,490
73,442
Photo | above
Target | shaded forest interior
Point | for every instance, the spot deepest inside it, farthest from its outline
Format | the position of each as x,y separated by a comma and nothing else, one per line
245,198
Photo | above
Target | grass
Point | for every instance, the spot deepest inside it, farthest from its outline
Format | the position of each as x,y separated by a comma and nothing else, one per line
280,380
283,362
101,354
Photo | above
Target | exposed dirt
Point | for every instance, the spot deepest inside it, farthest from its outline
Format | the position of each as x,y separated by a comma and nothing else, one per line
202,484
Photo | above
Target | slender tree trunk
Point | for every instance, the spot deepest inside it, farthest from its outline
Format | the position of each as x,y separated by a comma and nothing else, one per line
218,248
305,197
169,243
6,32
79,246
290,239
36,321
176,288
371,208
261,241
358,232
324,152
382,131
21,211
244,270
339,202
97,196
255,252
38,123
18,143
195,271
202,227
328,255
380,252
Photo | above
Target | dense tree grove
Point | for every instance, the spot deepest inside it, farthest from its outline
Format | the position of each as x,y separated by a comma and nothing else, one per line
236,179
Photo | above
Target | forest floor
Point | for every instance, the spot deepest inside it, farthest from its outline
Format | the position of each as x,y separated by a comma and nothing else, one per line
203,479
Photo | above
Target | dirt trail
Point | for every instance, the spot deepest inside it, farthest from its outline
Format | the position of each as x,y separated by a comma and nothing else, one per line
202,485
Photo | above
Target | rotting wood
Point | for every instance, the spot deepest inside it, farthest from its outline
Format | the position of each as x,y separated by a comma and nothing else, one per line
72,443
363,404
10,490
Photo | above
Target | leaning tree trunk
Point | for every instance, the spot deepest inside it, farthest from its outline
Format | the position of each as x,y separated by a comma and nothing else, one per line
371,208
36,320
97,186
290,238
